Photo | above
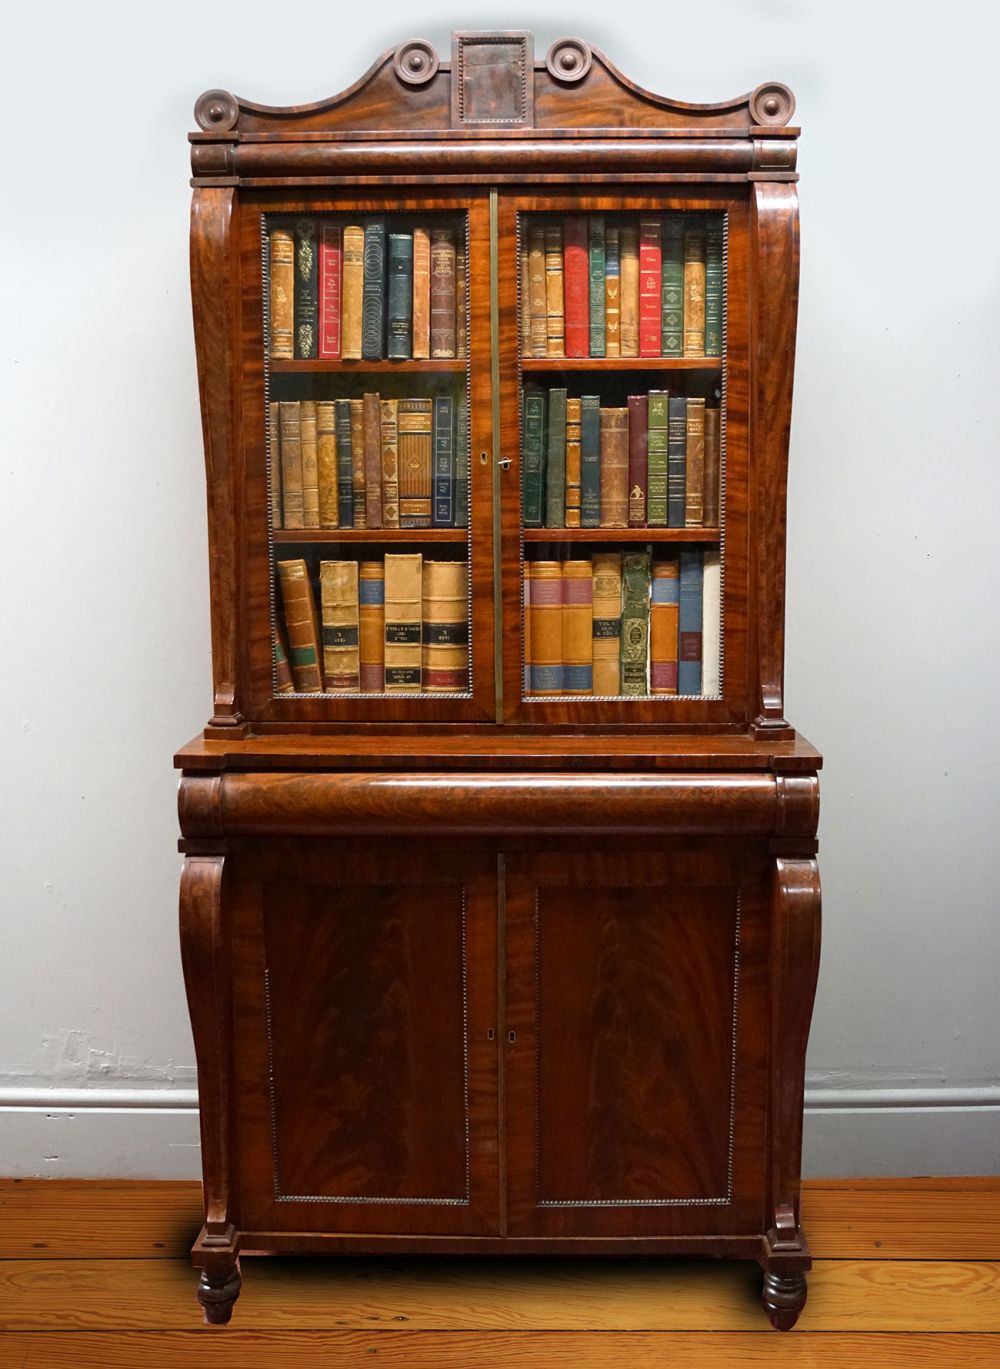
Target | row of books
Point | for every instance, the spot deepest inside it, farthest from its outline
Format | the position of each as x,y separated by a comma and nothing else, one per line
642,286
369,462
395,626
623,624
357,292
653,463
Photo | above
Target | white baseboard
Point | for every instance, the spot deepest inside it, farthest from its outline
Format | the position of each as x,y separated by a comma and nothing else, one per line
153,1133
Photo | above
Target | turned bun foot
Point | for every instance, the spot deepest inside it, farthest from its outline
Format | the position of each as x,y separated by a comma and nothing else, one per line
783,1296
217,1299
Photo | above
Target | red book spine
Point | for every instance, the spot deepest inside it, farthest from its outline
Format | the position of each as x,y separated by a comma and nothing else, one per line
576,285
330,259
650,271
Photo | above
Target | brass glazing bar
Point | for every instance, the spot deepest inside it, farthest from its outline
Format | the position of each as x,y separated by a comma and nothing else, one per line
495,397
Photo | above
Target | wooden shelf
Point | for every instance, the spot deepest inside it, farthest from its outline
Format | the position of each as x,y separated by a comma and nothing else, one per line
340,367
618,364
621,534
327,536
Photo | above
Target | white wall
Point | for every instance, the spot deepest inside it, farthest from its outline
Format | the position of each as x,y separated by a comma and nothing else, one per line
892,621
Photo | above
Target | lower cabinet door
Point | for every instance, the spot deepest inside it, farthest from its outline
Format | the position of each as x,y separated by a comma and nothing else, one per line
636,1043
365,1037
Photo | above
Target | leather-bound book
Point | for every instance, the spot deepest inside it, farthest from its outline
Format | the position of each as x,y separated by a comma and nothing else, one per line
607,628
577,627
524,295
546,627
650,287
635,623
359,481
590,461
596,283
310,464
638,459
526,629
421,294
555,316
345,464
630,290
462,462
371,622
301,628
672,292
373,297
535,452
690,622
306,289
326,463
372,411
445,650
352,291
576,283
555,461
663,628
274,463
338,594
399,324
713,287
694,290
461,298
390,462
573,493
290,426
614,468
713,466
676,460
443,337
443,511
281,252
330,272
538,345
283,682
694,474
612,292
416,437
656,447
711,625
404,598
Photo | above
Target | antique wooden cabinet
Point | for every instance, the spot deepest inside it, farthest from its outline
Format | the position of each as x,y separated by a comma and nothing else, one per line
500,906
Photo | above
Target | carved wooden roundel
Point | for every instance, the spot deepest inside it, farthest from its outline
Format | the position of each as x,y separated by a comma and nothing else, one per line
569,59
216,111
772,103
415,62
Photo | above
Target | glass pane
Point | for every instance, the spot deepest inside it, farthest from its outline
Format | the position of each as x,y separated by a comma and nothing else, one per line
366,335
622,338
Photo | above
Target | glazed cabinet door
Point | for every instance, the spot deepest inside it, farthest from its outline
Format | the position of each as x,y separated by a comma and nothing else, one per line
365,1038
636,1049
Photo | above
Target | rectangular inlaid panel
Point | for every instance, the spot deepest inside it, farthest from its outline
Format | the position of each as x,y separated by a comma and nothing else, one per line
492,78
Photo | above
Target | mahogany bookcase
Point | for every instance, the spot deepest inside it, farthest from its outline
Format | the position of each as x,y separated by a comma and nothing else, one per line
499,969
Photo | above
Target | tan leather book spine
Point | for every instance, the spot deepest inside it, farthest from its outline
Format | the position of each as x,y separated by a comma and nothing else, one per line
373,460
607,621
630,290
614,468
338,593
526,629
352,291
283,682
694,292
274,463
445,649
612,292
421,294
289,424
390,463
573,462
694,476
404,600
282,294
578,627
358,481
537,306
663,623
546,628
461,298
524,279
371,621
300,626
416,438
310,464
555,305
442,293
713,466
326,463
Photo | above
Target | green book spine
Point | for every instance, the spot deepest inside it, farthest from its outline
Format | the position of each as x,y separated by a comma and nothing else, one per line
676,461
555,466
590,458
713,288
596,249
399,326
462,463
373,295
672,287
656,498
636,576
306,289
345,467
534,457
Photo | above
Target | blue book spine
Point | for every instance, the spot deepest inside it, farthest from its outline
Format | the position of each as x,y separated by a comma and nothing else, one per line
443,510
462,463
345,469
373,294
590,460
399,327
676,460
689,622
